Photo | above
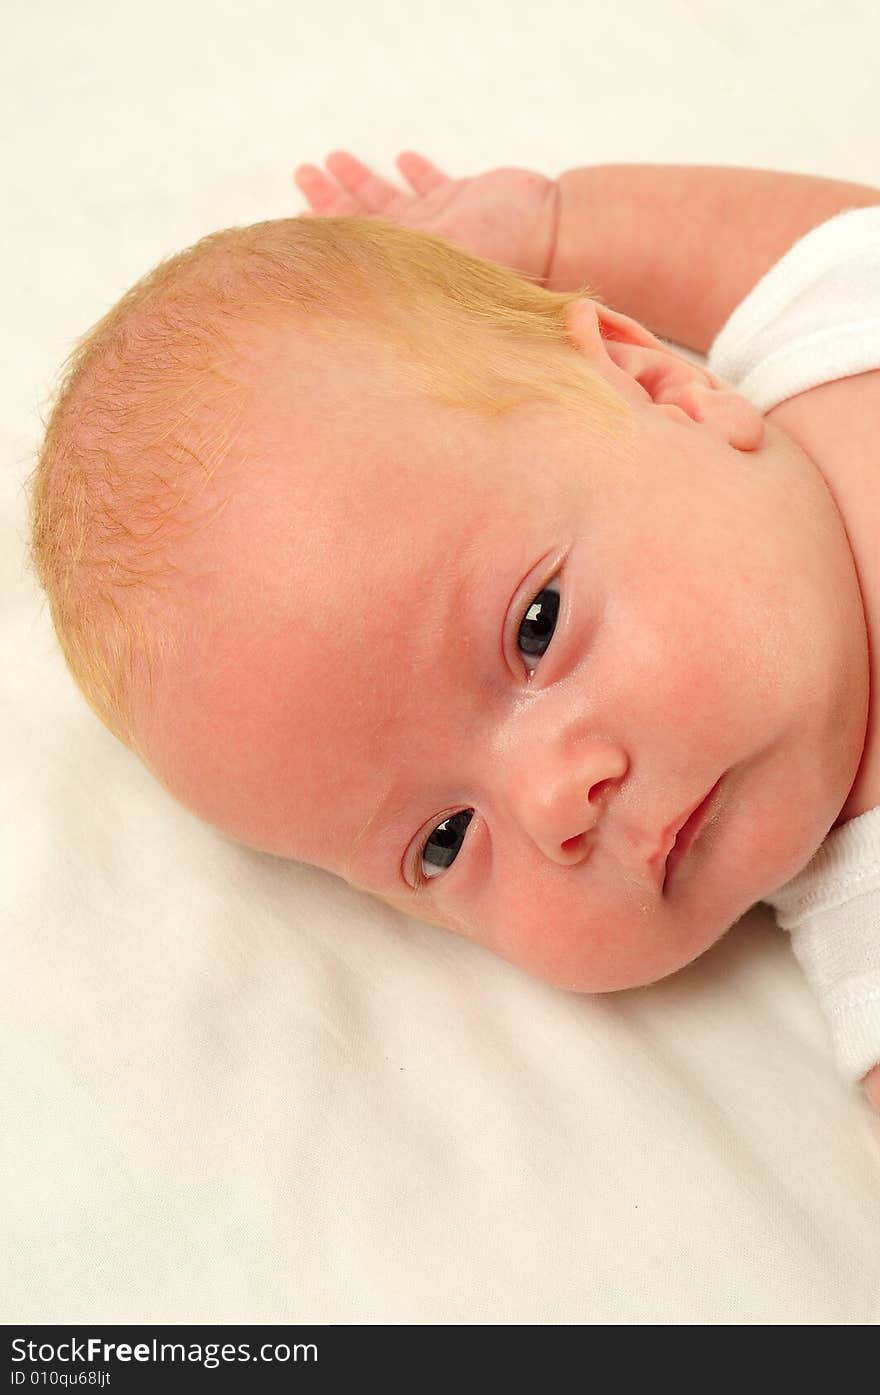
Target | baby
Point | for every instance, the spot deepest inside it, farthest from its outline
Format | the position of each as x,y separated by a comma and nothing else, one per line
388,545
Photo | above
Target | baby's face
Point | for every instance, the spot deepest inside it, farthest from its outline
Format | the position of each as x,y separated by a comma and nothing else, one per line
486,671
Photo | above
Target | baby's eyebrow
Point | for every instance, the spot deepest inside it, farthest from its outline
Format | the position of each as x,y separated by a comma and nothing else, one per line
372,820
384,830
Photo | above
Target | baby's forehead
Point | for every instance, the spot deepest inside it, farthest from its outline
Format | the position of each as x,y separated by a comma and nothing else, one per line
330,424
287,360
337,448
347,510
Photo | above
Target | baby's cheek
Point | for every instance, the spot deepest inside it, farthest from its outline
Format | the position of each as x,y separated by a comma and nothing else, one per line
568,936
573,941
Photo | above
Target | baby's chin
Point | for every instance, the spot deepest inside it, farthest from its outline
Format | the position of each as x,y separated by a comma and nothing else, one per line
659,948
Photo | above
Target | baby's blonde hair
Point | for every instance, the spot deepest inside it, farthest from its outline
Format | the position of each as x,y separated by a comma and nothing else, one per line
149,402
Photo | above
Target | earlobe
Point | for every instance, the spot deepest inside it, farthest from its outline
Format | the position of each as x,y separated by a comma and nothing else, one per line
724,412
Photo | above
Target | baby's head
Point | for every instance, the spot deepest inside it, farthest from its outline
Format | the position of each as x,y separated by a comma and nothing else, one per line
384,558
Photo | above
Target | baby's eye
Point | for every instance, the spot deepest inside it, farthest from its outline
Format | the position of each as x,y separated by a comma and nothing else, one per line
443,843
539,622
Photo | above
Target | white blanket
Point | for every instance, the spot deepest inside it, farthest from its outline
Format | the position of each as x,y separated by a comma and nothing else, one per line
234,1089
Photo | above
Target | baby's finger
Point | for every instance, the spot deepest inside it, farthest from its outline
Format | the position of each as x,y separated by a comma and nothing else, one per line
374,194
419,172
871,1083
325,197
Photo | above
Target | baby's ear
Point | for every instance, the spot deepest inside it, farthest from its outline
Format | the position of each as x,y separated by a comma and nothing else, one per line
645,369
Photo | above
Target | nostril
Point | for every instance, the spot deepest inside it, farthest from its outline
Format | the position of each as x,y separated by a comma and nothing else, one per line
573,844
599,786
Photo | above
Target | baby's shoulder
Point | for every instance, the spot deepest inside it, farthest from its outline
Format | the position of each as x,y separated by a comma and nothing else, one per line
837,421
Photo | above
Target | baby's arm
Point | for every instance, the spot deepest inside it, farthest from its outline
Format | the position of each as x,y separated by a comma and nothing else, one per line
678,247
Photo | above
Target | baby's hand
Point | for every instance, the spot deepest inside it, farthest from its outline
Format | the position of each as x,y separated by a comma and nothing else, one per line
871,1083
507,215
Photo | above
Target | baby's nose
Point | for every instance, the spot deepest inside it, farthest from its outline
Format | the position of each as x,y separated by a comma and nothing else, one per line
560,796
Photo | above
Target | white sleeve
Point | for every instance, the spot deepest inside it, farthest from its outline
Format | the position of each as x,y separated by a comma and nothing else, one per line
814,316
832,911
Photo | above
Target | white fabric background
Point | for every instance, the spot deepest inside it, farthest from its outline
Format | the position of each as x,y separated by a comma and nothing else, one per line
233,1088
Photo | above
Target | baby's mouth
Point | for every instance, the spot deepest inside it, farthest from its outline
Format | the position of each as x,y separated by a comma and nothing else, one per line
687,834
